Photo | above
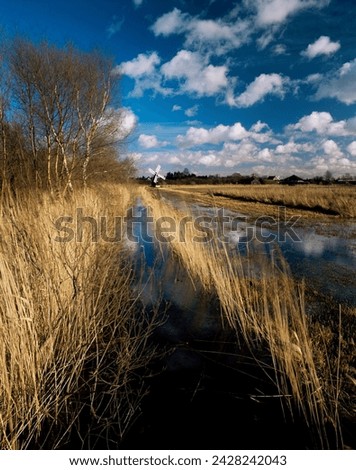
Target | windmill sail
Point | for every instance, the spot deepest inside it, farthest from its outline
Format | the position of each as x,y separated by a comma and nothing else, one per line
156,175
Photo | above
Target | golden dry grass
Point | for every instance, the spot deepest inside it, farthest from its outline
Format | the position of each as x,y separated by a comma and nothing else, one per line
310,200
72,335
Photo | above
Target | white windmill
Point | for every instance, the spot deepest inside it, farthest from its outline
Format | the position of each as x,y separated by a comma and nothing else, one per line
156,174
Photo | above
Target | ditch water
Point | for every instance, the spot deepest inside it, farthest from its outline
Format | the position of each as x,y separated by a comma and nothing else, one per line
207,393
322,254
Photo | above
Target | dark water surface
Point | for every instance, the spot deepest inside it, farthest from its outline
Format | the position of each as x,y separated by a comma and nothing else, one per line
208,392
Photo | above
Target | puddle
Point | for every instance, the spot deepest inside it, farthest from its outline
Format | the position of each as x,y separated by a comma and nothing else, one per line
324,255
327,262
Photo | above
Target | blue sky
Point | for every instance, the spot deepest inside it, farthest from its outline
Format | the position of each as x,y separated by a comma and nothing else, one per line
219,86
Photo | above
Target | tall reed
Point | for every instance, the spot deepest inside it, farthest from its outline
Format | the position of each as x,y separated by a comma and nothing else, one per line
73,335
334,200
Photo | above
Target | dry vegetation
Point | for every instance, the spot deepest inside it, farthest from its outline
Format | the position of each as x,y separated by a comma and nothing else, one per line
266,308
315,200
73,337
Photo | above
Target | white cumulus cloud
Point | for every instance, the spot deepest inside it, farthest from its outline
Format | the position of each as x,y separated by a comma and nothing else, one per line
263,85
190,112
124,119
210,160
331,148
341,85
323,124
200,136
173,22
272,12
322,46
214,36
196,76
293,147
150,141
146,73
196,136
142,65
351,148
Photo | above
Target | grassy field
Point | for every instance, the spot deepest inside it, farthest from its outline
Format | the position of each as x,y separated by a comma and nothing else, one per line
312,201
73,335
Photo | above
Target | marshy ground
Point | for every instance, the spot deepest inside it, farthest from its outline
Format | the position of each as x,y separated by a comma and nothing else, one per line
110,343
268,319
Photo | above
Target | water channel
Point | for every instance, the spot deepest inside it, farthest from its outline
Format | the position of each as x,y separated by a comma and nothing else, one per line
206,393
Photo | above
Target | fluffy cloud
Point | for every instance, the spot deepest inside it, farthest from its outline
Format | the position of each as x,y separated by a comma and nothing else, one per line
318,122
351,148
341,85
333,159
137,3
218,36
322,46
275,12
148,141
145,71
331,148
210,160
190,112
142,65
293,147
323,124
197,77
200,136
214,36
263,85
268,16
192,72
196,136
280,49
125,119
173,22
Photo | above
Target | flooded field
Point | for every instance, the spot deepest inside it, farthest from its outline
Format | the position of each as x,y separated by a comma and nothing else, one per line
139,318
211,380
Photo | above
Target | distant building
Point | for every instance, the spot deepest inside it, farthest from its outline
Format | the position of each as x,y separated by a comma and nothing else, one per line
272,179
256,181
293,179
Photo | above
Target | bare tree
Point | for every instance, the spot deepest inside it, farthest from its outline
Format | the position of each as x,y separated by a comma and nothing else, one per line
64,99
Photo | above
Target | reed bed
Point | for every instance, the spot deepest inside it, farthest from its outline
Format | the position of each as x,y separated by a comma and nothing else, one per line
266,308
334,200
73,335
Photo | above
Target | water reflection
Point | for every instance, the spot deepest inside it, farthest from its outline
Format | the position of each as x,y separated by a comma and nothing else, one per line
323,254
327,261
189,313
